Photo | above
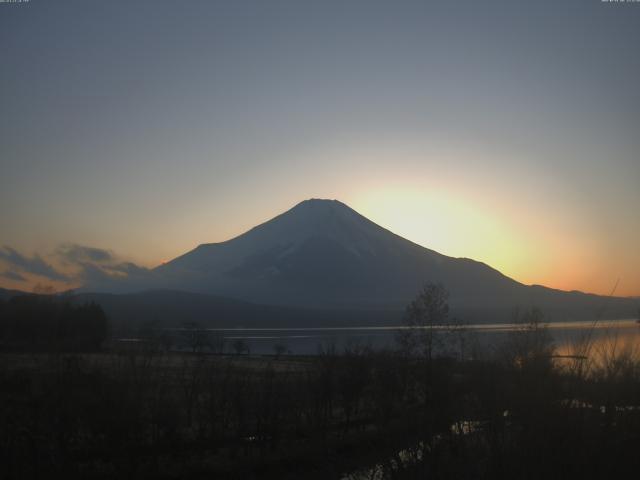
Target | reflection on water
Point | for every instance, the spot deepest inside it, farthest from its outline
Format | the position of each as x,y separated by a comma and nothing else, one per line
570,338
402,460
607,342
407,457
489,327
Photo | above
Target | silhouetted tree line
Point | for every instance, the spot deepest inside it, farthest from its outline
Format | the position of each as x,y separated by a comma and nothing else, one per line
512,412
40,322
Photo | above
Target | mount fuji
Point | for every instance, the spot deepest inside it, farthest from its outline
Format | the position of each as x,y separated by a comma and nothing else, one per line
323,254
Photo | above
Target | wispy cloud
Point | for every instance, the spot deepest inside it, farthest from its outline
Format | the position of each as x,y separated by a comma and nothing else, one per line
74,254
96,265
35,264
74,264
90,273
15,276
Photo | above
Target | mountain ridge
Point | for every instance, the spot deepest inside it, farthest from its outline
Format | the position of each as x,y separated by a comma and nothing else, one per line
320,246
322,254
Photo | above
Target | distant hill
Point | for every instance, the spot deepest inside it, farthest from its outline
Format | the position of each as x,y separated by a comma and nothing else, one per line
321,254
7,294
164,308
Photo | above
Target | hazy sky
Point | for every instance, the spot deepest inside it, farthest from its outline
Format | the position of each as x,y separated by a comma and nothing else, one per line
504,131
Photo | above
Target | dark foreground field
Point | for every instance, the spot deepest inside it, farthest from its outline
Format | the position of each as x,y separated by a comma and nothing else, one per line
143,413
75,402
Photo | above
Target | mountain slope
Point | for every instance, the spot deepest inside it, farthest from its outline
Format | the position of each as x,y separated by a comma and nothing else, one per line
322,253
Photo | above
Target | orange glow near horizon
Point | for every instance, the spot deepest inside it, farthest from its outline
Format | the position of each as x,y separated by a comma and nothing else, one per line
458,222
507,149
526,250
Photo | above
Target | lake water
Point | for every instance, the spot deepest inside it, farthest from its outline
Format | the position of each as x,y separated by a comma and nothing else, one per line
308,341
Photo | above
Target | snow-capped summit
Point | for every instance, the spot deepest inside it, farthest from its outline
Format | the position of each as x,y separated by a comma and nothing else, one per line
324,253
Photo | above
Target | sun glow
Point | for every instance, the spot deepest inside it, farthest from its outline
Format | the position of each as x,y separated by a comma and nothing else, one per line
530,245
446,222
457,224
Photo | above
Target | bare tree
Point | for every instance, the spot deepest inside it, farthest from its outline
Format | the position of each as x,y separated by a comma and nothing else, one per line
240,346
279,349
530,345
425,316
195,337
